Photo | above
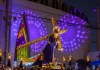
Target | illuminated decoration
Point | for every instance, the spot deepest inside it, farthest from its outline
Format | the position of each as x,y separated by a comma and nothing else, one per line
88,58
76,35
35,29
0,52
9,55
64,59
69,58
0,55
56,33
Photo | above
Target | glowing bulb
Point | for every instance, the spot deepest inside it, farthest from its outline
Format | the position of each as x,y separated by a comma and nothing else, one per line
88,58
9,55
0,52
21,58
64,59
70,58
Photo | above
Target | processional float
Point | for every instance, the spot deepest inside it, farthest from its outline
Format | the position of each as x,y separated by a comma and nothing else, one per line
56,33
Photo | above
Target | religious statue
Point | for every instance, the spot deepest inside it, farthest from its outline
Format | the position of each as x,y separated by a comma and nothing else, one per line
54,40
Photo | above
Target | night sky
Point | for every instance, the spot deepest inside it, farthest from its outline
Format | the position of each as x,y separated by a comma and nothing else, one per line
87,7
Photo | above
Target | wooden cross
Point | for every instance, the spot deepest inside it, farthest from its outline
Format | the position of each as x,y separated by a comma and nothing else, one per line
56,32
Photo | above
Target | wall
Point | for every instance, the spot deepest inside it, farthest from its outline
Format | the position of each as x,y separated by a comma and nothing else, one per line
20,5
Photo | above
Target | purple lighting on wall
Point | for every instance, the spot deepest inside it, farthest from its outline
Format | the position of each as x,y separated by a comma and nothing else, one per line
36,29
75,35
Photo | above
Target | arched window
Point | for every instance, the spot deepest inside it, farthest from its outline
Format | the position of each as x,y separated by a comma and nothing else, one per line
55,4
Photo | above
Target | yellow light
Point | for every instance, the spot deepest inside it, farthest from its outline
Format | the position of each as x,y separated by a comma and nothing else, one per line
9,55
21,59
88,58
70,58
0,52
64,59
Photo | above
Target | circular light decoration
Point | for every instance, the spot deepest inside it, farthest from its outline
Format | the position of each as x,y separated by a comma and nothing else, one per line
36,29
76,35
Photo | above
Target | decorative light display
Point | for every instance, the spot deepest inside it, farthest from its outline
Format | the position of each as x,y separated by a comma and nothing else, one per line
76,35
36,29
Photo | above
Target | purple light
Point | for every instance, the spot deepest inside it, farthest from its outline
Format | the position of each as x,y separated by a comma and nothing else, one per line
83,32
81,36
78,39
76,48
78,31
79,45
72,49
77,35
71,42
74,43
73,36
94,10
86,37
36,29
83,41
84,23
